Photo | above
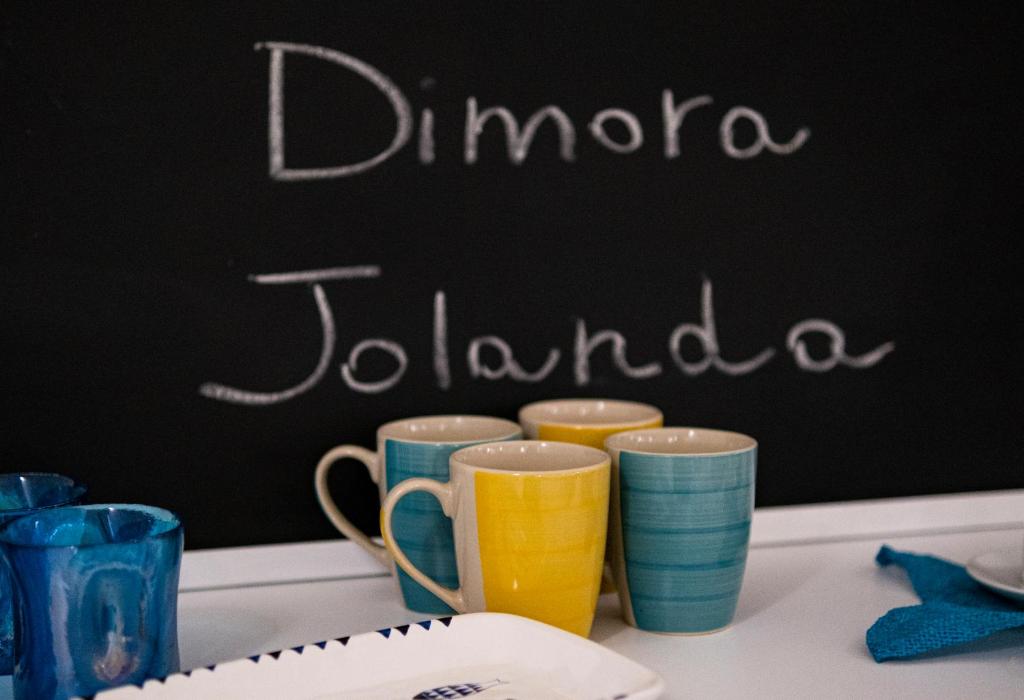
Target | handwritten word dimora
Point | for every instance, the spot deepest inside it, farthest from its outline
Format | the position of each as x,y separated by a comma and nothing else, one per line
491,358
616,129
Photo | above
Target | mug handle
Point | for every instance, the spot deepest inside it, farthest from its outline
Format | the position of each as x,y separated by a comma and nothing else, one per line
330,508
443,493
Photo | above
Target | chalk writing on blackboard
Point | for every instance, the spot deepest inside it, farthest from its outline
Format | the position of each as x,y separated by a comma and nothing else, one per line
259,398
518,139
586,344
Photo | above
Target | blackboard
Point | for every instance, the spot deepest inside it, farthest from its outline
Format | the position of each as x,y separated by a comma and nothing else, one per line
235,235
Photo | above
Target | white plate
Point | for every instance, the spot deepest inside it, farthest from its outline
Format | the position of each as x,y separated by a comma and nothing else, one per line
482,656
1000,571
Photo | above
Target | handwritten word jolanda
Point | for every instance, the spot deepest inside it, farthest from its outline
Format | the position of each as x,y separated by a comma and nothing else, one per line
629,132
502,363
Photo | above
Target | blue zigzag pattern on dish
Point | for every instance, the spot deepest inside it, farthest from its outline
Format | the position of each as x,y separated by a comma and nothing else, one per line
274,655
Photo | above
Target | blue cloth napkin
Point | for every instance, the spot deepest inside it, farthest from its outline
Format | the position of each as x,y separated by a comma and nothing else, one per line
954,609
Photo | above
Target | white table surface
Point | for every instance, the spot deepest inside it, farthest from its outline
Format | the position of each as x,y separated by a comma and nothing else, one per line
811,591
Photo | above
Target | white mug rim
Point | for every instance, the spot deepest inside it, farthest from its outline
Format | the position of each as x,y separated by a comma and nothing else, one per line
626,441
503,429
534,413
598,459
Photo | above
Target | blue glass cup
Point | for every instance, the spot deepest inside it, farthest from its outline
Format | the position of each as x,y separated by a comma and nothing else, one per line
21,494
95,598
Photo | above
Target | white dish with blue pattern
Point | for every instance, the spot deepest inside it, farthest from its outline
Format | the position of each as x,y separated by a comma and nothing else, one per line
481,656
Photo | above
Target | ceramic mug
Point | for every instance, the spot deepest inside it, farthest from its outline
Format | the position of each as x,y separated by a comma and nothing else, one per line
681,505
414,447
585,421
530,520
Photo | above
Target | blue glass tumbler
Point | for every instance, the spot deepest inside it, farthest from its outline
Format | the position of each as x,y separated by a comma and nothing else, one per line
96,598
21,494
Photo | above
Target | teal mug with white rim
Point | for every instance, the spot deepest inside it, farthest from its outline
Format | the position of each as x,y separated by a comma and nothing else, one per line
414,447
679,528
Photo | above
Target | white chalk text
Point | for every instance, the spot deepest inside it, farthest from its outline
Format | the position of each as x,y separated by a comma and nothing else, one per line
501,362
518,136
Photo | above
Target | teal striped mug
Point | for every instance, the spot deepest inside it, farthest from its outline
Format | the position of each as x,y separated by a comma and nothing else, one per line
414,447
679,527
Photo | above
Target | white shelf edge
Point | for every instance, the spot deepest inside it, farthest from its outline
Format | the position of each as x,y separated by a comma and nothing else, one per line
260,565
986,510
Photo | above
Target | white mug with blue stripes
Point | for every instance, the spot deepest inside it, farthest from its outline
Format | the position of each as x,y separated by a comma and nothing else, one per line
679,528
414,447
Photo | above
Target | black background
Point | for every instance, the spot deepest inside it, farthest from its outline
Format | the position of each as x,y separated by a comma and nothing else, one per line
136,202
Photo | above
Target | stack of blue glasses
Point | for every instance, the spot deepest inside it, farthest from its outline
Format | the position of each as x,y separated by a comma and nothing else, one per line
88,593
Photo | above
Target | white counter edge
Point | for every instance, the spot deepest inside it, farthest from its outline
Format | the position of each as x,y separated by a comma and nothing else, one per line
776,526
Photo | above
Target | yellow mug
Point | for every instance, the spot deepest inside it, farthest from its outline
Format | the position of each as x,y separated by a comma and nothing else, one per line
530,520
585,421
